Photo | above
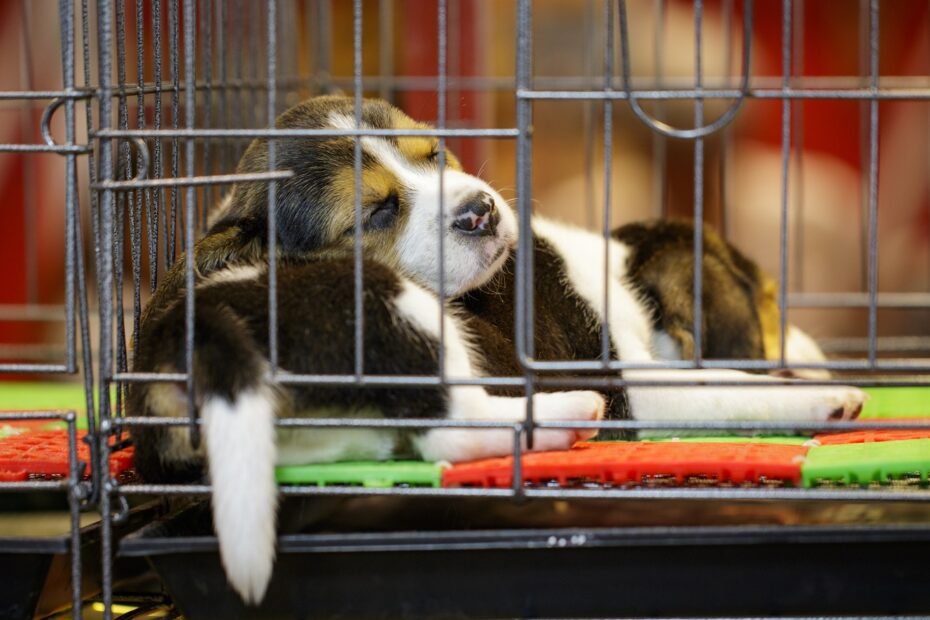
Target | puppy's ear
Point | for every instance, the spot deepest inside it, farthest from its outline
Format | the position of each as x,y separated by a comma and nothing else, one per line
300,223
300,227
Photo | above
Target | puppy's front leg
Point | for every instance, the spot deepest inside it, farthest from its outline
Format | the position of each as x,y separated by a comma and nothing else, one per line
474,404
795,402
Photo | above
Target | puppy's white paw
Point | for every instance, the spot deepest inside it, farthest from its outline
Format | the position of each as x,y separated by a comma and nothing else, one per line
847,403
819,404
566,407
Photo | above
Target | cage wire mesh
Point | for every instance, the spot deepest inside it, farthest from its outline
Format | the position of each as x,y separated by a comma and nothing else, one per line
159,98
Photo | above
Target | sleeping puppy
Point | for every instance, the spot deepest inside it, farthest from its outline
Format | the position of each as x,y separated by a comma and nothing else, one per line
649,318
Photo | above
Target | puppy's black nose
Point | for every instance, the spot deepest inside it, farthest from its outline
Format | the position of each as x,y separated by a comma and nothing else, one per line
477,216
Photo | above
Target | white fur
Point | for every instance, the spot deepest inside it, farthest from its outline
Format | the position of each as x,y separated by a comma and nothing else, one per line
238,273
422,310
776,403
317,445
303,446
665,347
583,254
469,261
636,341
801,349
468,444
240,442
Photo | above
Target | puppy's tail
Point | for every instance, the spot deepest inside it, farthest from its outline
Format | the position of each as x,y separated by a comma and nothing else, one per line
238,414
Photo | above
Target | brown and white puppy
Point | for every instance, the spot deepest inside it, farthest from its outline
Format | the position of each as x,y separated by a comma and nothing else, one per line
403,218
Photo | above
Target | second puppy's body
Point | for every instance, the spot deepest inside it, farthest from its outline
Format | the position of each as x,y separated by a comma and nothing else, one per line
648,315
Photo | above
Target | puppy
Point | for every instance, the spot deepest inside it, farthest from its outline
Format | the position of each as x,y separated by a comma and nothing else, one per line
403,216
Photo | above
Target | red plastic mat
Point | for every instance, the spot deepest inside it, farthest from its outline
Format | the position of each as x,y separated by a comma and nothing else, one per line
45,453
873,435
613,463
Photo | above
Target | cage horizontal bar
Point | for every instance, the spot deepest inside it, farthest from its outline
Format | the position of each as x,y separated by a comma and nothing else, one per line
425,423
336,380
859,300
642,83
34,485
185,134
580,381
203,489
395,380
37,368
45,94
549,82
865,94
909,364
12,416
148,377
501,82
736,494
750,494
215,179
45,148
412,423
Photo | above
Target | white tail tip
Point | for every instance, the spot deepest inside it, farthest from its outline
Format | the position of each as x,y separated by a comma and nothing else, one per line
240,441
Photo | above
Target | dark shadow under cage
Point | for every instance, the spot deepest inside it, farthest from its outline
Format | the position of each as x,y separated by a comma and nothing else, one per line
770,122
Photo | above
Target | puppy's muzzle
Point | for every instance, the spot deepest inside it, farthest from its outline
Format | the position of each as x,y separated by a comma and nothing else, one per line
477,217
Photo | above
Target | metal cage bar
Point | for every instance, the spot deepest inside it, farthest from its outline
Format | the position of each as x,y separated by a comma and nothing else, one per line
183,162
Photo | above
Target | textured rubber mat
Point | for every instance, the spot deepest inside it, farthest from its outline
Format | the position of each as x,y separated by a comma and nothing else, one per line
45,453
371,474
867,463
874,435
620,463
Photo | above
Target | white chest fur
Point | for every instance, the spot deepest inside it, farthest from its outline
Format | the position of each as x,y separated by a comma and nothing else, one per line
583,253
633,337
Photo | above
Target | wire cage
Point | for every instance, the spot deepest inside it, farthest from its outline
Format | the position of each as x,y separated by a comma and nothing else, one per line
158,99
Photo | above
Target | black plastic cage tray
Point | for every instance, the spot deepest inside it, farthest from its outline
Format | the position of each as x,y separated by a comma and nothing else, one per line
26,565
435,558
35,570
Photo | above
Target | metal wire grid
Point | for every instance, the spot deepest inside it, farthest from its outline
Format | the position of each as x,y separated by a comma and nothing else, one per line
232,91
74,313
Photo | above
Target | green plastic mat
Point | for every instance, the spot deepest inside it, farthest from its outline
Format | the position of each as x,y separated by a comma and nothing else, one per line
46,396
865,463
35,396
897,402
372,474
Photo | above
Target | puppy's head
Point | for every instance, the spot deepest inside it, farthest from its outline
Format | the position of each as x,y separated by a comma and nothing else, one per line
403,212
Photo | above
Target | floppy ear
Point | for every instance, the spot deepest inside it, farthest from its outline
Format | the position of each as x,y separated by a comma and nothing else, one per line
300,224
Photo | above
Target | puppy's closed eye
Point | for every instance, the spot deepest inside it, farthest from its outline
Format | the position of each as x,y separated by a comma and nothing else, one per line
381,215
384,215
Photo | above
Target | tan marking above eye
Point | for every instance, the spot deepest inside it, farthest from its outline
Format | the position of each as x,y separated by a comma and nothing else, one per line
417,148
377,183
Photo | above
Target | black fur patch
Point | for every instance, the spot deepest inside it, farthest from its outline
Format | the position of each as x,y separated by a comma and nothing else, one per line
661,268
565,326
316,335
